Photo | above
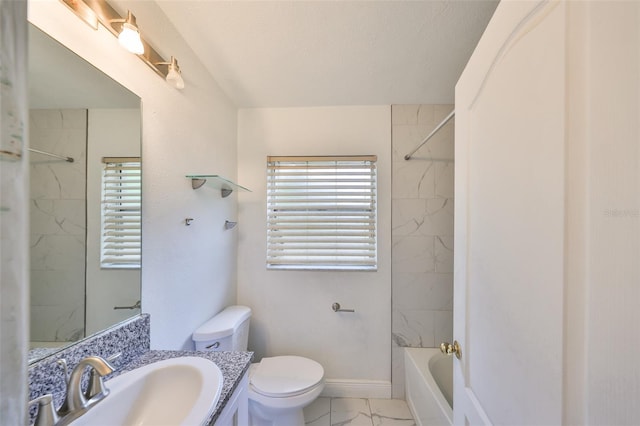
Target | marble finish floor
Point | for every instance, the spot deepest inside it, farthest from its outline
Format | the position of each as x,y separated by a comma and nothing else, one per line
358,412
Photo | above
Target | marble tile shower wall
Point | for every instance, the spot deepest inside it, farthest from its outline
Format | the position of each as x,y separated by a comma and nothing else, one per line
58,224
422,233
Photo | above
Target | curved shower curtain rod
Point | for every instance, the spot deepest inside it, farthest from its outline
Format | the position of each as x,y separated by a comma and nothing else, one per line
438,127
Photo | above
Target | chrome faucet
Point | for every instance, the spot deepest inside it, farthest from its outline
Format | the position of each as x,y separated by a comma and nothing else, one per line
76,402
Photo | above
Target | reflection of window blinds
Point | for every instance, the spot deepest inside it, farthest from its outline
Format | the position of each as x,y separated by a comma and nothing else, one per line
321,212
121,213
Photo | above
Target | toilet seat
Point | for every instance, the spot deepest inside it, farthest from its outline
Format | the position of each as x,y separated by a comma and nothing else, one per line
285,376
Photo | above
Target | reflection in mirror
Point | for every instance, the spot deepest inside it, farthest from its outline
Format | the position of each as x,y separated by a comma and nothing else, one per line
76,111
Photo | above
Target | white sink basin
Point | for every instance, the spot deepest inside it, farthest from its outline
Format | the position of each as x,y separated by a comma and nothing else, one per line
177,391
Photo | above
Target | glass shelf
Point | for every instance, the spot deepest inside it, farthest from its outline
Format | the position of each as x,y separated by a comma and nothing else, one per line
225,186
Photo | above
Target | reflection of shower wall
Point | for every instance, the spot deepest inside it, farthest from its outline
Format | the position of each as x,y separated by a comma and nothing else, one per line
422,234
58,224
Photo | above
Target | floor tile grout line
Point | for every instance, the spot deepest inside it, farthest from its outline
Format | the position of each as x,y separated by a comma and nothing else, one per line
367,412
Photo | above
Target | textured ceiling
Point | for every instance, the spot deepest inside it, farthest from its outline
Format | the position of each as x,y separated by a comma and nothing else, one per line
317,53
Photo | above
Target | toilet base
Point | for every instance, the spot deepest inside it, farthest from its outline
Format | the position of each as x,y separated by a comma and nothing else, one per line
259,415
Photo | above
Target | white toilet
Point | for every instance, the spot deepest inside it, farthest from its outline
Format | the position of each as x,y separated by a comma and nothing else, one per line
279,387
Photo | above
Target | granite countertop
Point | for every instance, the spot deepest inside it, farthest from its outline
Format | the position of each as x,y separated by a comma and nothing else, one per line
39,353
232,364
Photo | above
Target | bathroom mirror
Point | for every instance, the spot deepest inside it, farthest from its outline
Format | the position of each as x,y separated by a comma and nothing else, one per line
79,112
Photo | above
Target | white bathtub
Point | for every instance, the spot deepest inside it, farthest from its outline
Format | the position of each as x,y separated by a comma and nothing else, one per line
429,386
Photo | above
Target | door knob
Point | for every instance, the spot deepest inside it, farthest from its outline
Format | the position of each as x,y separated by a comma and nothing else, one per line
449,349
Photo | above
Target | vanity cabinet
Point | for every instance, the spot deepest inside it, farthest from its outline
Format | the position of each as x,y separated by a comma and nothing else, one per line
236,412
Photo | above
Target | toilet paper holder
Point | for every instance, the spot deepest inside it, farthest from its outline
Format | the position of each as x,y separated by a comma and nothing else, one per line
336,308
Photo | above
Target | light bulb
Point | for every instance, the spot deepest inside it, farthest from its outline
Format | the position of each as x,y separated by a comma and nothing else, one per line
173,74
174,78
129,38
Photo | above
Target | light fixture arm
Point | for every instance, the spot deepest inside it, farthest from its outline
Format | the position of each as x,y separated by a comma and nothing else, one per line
130,19
172,62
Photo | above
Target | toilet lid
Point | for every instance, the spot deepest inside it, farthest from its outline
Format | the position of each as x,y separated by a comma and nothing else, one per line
283,376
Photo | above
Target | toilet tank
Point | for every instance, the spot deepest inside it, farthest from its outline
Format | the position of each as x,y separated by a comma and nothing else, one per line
227,331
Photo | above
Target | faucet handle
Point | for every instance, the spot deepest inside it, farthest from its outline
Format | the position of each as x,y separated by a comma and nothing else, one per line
65,368
47,415
96,387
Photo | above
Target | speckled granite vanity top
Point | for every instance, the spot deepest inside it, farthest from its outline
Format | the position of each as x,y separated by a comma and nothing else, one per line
129,340
232,364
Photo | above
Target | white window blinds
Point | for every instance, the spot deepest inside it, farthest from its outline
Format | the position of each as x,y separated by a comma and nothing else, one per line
121,212
321,212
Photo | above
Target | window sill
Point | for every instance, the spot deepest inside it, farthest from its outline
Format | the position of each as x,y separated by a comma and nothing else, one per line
120,267
322,268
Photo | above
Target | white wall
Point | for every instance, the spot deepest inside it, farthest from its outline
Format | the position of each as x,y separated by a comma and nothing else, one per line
292,309
188,273
111,133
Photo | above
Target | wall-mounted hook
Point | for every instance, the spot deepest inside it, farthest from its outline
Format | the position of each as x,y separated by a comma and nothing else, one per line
188,221
229,225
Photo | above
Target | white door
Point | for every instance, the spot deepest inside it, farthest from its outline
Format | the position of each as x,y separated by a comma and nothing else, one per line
509,230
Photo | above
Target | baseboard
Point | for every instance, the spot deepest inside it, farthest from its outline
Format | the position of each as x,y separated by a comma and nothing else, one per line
338,388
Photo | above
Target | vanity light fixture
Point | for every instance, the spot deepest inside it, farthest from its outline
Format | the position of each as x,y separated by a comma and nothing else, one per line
129,36
94,12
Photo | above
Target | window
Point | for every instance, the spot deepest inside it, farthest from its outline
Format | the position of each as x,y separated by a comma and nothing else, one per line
321,213
121,207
